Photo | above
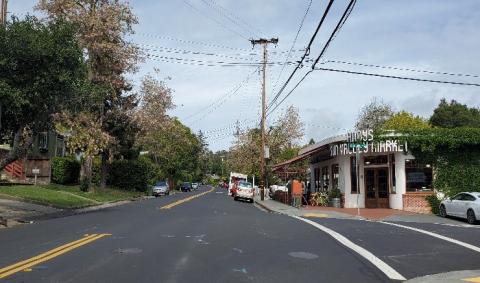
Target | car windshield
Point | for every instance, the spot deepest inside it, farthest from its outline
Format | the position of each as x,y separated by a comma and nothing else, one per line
161,183
186,184
245,184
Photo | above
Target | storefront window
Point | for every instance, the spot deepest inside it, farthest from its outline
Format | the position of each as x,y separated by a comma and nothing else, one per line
419,176
325,179
353,175
376,160
335,176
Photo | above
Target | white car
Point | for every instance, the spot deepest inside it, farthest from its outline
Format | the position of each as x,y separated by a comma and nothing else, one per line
244,191
464,205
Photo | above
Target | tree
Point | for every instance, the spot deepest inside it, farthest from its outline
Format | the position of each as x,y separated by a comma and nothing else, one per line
83,134
42,72
282,139
454,114
404,121
151,113
102,26
176,150
373,115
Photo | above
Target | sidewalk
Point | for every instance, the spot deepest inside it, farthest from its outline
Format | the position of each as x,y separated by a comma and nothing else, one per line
12,211
275,206
376,214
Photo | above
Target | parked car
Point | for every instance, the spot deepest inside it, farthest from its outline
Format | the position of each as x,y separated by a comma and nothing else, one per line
161,189
186,187
195,186
274,188
464,205
245,191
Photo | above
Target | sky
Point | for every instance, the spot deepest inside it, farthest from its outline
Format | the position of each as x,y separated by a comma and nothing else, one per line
184,41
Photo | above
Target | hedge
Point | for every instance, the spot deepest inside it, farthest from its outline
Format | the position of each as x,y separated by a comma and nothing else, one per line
131,175
65,170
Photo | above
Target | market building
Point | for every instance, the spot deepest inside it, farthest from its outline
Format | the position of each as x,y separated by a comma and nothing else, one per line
387,176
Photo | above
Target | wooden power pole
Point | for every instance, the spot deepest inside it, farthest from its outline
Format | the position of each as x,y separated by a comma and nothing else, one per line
3,12
264,42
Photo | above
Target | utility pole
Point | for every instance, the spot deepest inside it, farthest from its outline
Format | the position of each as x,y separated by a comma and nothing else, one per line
3,12
264,42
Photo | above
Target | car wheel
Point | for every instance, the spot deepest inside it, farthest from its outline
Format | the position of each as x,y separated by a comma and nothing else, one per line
442,211
471,219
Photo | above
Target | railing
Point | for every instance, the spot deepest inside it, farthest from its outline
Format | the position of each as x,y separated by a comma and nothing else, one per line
15,169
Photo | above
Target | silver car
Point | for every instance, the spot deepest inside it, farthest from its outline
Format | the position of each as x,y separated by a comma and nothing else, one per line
464,205
161,189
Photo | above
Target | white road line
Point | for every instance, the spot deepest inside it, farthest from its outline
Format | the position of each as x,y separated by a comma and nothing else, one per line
460,243
385,268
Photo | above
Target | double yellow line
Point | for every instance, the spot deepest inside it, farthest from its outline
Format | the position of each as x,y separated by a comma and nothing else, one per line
26,264
168,206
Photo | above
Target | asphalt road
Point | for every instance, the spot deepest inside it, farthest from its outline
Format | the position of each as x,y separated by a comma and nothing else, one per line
212,238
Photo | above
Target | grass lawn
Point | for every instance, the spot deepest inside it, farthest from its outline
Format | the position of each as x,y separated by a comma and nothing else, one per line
66,196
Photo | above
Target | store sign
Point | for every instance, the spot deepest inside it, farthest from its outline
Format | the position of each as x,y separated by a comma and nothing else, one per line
362,142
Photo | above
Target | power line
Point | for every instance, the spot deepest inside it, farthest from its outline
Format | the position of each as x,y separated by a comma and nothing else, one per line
216,7
192,42
397,77
213,19
307,52
210,63
221,100
183,51
400,69
235,16
293,45
342,21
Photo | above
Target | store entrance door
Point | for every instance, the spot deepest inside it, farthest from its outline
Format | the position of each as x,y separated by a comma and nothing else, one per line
376,185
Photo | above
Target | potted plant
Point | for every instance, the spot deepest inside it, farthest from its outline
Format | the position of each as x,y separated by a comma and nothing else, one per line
334,197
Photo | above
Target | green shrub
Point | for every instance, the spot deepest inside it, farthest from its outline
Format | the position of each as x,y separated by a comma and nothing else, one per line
434,203
65,170
334,193
131,175
96,170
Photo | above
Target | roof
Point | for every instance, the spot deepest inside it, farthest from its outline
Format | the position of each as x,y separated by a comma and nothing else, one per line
318,145
310,150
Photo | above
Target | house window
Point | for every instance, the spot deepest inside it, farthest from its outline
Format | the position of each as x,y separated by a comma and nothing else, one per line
353,174
392,174
317,178
60,150
335,176
43,140
419,176
325,179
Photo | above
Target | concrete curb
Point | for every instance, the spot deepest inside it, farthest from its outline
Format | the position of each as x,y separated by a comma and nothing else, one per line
265,207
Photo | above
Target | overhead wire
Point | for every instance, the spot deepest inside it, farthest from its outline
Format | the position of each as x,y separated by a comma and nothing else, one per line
215,6
220,101
400,69
397,77
213,19
307,52
339,25
293,45
256,30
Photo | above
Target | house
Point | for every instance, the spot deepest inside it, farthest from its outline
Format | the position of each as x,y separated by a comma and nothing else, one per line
369,173
46,145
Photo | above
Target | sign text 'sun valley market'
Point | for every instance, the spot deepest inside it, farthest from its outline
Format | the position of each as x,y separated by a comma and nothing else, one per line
362,142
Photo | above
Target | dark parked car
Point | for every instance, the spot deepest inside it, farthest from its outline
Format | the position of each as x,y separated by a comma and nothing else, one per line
186,187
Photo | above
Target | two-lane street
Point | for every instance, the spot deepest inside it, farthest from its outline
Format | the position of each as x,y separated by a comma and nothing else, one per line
211,238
